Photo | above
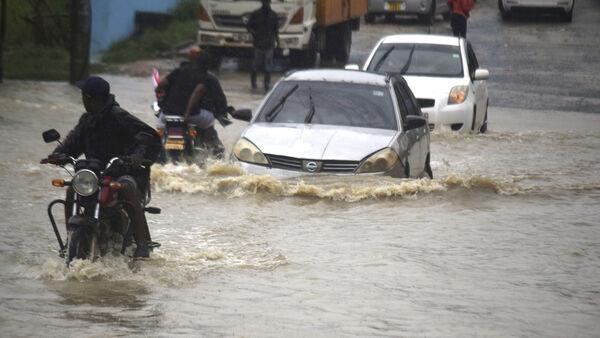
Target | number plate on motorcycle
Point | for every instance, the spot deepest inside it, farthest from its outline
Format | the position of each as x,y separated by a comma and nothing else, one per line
174,145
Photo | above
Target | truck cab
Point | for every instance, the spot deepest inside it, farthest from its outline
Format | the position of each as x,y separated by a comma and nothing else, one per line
306,27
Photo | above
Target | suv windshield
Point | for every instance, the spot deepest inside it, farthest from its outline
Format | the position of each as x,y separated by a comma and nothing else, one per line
418,59
340,104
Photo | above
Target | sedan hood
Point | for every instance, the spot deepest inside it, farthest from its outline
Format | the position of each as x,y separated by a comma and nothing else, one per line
432,87
318,142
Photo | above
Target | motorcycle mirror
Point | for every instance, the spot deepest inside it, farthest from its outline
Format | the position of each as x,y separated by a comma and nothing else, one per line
51,135
242,114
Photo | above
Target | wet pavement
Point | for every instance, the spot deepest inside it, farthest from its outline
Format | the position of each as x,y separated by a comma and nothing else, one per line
505,241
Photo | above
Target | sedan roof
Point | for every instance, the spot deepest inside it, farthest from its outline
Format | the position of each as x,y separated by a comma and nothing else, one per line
422,39
338,75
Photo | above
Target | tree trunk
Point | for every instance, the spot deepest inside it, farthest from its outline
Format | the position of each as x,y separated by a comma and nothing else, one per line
81,20
2,35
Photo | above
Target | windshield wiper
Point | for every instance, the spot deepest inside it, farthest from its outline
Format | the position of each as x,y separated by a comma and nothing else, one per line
312,110
383,57
407,65
272,114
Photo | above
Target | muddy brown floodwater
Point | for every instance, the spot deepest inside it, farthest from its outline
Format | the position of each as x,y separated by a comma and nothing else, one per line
505,241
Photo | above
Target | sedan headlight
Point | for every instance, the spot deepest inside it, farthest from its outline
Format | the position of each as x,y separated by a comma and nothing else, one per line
458,94
245,151
382,160
85,182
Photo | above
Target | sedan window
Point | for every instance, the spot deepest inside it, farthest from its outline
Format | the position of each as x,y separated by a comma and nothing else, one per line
340,104
418,60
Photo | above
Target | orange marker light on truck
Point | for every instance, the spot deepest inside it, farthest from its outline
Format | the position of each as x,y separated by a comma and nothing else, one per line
298,17
202,14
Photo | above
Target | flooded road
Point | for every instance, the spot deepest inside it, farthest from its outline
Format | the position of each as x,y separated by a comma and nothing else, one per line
505,241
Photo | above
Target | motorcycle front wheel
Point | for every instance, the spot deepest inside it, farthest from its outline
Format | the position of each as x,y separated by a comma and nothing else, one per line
77,245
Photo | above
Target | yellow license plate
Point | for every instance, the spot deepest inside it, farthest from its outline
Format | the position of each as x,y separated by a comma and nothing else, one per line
394,6
174,146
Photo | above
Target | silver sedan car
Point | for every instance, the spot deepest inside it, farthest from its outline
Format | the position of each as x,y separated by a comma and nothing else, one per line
337,122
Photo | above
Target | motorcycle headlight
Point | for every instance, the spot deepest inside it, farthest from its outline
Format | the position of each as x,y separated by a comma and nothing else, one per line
85,182
381,161
458,94
245,151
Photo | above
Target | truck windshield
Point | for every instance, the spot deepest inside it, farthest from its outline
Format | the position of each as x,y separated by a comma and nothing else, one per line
340,104
418,59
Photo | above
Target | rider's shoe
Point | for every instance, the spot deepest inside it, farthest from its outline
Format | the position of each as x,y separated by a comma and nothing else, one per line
141,251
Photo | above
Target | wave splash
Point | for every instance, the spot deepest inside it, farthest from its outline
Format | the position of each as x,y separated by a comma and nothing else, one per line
232,181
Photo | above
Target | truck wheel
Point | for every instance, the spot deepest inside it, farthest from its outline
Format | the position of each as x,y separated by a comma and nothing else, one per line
305,58
429,17
503,12
215,57
369,18
344,44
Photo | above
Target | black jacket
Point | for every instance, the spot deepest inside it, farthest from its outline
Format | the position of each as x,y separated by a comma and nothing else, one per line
181,84
111,133
264,25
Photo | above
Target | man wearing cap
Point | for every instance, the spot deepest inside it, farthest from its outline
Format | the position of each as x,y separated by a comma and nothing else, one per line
193,92
263,24
106,131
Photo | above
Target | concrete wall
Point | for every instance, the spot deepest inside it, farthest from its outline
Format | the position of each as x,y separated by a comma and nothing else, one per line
113,20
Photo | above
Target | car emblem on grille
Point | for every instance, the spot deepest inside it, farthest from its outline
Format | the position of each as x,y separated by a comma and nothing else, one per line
311,166
245,19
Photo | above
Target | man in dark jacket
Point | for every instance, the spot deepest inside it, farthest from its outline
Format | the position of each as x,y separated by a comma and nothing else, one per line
106,131
460,14
193,92
264,27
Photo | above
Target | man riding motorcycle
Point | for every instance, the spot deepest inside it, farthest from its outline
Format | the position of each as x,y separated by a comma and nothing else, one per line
106,131
193,92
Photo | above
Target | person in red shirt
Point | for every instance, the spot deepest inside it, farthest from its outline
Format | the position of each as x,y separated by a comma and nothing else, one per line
460,13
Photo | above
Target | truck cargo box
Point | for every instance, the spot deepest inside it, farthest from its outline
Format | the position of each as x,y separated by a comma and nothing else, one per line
331,12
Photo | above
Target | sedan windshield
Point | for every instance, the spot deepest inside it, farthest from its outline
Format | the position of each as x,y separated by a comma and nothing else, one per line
418,59
340,104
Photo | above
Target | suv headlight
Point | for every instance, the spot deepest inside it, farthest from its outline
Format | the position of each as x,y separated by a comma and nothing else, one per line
458,94
381,161
85,182
245,151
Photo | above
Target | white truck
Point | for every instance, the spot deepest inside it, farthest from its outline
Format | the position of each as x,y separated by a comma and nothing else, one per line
307,28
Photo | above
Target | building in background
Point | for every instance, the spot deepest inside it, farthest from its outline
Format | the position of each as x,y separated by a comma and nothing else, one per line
114,20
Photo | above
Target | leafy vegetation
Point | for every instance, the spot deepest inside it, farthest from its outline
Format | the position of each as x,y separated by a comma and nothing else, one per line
158,43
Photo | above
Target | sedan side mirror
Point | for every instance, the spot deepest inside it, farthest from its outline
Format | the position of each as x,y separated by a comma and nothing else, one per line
51,135
414,122
242,114
352,67
481,74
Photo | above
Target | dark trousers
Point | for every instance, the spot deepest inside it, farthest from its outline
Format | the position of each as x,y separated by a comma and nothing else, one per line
262,58
459,25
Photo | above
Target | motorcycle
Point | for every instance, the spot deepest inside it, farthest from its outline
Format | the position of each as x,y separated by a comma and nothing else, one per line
186,142
99,221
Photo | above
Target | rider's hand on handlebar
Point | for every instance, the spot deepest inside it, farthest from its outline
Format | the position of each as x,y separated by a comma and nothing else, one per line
135,160
56,159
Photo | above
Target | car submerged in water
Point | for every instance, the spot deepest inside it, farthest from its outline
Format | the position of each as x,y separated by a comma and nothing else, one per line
444,75
337,122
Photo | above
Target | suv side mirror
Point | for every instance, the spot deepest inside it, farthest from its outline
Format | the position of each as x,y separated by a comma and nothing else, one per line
481,74
414,122
242,114
51,135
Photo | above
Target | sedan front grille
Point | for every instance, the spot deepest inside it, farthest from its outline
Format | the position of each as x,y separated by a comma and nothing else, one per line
297,164
239,21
